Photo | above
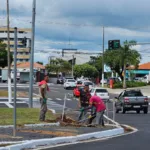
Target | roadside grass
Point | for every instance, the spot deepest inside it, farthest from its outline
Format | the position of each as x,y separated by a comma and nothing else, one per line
3,93
24,116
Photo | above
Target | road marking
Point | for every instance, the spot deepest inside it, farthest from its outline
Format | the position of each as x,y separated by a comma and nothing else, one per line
68,99
58,99
50,99
9,105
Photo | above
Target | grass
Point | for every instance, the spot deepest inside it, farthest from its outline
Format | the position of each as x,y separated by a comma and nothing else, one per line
3,93
24,116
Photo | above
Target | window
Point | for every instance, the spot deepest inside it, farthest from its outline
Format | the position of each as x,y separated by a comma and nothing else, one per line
133,93
101,91
71,80
88,83
79,82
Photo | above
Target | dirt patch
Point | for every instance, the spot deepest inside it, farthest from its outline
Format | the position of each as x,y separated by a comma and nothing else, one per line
55,133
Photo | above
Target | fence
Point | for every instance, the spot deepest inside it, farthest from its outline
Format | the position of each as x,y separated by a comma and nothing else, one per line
109,113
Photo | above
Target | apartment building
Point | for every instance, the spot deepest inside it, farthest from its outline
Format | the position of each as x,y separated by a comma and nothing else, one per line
23,52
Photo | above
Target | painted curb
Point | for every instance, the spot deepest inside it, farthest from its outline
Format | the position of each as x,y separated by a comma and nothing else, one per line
60,140
34,125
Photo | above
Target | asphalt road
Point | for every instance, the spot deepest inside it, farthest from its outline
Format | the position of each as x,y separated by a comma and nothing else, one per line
137,141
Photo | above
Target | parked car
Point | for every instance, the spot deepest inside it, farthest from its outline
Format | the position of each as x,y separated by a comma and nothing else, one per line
70,83
76,91
131,100
101,92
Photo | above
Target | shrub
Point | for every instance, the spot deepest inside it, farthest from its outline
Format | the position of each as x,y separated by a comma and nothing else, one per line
129,84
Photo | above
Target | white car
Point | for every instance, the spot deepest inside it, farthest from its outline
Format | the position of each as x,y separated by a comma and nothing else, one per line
69,83
101,92
91,85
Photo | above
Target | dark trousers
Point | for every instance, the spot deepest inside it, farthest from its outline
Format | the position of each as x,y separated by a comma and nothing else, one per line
43,110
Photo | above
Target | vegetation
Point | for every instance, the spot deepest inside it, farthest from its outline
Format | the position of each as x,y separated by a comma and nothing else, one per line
58,65
39,62
121,58
3,55
130,84
85,70
24,116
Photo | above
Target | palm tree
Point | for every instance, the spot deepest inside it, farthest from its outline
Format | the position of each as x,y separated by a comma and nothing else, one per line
129,56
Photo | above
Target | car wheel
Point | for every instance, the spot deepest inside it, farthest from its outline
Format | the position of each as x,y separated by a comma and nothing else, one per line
145,110
138,111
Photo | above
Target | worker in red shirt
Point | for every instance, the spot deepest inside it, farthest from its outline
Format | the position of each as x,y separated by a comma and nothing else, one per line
99,106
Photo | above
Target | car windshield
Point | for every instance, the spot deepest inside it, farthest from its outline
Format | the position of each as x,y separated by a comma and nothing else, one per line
71,80
101,91
133,93
88,83
79,82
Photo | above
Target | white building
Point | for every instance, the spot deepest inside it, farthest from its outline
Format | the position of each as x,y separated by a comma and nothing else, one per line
23,52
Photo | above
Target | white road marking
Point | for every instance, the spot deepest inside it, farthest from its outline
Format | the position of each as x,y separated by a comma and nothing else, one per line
68,99
9,105
58,99
50,99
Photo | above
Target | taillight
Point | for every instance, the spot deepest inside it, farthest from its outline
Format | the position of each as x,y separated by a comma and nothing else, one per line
146,99
126,100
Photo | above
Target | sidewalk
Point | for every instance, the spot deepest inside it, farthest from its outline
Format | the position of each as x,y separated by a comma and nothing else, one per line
145,90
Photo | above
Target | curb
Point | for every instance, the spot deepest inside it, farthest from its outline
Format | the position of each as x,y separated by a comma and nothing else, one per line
60,140
34,125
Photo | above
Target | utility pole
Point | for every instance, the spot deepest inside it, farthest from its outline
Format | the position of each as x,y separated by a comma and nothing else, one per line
32,55
72,64
8,56
15,76
103,60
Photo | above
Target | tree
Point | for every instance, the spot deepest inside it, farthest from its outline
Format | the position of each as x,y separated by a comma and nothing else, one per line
39,62
118,60
59,65
3,55
85,70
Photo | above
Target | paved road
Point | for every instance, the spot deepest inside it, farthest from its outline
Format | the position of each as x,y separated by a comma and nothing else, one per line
136,141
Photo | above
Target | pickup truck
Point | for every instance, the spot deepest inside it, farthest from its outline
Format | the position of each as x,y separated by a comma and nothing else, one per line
131,100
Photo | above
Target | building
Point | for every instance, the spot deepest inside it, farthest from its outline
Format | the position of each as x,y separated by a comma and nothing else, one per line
23,52
143,69
79,56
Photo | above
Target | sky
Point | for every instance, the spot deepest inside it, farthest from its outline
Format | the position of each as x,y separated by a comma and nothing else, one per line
78,23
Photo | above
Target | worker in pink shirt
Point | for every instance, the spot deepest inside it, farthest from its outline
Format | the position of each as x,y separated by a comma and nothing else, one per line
99,106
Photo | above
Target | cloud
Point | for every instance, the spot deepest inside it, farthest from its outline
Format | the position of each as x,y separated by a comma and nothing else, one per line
127,20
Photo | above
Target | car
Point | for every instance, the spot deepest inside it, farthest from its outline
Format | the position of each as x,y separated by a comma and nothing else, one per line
69,83
79,83
101,92
60,81
89,83
131,100
76,91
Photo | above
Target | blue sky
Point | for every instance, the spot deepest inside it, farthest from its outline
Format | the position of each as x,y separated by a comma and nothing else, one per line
58,21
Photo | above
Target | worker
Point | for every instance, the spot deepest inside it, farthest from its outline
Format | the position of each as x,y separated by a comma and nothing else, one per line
98,109
84,101
43,88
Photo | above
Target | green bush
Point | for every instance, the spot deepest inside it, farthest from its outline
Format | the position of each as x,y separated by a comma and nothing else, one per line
129,84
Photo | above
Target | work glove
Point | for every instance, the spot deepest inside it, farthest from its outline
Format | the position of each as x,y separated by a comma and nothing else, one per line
44,100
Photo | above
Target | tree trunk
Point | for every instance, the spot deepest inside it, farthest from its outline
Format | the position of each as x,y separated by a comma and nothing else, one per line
124,79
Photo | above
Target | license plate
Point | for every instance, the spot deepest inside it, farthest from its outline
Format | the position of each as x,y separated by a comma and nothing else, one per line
136,106
101,94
